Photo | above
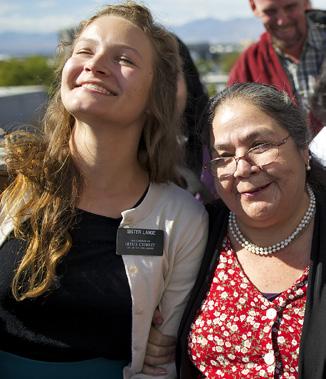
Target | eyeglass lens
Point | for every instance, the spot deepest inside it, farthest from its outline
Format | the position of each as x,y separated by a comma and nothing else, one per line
228,166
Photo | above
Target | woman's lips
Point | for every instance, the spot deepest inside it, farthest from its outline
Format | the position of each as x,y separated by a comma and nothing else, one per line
254,191
96,87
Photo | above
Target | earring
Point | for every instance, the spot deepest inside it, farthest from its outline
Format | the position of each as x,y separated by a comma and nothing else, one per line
308,164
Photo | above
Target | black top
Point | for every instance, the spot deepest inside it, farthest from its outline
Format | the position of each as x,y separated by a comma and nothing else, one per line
86,314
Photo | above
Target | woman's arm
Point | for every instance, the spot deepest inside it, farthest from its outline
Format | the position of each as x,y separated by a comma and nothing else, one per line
160,349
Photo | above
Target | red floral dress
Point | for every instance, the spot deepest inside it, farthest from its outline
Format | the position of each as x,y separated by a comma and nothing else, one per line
238,333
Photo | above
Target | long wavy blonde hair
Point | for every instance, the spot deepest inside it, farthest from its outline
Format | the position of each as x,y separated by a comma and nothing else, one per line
46,185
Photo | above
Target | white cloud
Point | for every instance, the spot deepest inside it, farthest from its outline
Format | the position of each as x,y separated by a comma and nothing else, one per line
42,25
180,11
7,8
52,15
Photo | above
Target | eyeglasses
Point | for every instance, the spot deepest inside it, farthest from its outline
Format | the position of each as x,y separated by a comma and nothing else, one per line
261,155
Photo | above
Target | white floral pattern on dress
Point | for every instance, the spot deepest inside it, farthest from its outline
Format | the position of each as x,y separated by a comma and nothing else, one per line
238,333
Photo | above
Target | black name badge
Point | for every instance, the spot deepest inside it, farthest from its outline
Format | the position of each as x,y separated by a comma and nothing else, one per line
140,241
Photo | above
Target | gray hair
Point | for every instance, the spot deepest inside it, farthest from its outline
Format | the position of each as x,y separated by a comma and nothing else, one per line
281,108
277,104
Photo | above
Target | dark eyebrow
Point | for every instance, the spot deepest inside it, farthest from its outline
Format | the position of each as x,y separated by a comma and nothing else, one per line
247,138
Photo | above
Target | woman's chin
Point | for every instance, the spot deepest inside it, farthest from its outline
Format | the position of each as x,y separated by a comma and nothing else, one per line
261,212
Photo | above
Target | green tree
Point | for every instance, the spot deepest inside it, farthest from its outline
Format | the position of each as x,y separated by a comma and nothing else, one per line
204,66
32,70
227,60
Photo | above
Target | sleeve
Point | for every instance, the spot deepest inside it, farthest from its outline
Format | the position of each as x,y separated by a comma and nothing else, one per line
182,276
189,248
186,228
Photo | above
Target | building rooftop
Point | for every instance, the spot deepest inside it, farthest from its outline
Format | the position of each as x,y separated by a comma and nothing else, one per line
18,90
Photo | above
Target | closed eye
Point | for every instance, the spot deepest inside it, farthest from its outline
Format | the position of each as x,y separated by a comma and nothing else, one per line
220,162
261,148
125,60
83,51
224,154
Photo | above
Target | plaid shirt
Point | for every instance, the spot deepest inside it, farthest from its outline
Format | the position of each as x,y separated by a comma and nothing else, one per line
303,75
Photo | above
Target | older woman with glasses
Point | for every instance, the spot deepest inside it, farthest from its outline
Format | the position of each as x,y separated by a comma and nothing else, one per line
258,307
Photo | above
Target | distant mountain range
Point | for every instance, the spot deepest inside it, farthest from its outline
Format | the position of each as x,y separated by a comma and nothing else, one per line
213,30
204,30
19,44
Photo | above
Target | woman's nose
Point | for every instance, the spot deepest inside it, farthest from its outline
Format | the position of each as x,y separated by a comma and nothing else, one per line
97,64
243,168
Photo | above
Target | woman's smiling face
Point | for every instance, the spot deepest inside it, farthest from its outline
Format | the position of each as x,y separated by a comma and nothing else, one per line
110,73
257,195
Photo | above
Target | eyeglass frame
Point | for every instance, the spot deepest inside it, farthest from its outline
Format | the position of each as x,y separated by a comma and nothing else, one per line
237,159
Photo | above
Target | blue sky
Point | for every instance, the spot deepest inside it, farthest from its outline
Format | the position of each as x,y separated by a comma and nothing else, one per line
53,15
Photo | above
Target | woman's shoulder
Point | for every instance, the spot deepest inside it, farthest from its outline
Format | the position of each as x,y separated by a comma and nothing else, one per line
177,196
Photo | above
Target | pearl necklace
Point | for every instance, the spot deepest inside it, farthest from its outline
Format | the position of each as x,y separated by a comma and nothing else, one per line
239,237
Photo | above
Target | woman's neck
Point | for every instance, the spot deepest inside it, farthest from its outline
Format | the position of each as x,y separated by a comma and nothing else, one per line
113,178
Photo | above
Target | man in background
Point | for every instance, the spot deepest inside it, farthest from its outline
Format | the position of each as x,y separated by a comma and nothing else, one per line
289,54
